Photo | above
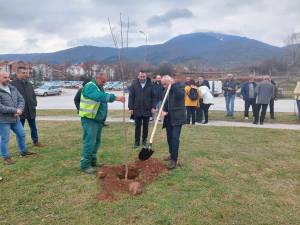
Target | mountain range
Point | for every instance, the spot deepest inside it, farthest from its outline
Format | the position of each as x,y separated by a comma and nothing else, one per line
214,49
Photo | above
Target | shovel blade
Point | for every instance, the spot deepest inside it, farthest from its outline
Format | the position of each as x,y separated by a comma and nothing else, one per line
145,153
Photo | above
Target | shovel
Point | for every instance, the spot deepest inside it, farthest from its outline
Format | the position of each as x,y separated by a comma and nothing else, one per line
147,151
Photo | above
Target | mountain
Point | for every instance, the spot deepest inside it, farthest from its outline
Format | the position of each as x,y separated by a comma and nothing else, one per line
214,49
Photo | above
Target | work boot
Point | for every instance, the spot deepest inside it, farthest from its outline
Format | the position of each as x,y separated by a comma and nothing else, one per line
8,161
172,165
90,170
27,153
38,144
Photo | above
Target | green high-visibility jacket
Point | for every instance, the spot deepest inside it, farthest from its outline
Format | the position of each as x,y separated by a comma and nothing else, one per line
93,102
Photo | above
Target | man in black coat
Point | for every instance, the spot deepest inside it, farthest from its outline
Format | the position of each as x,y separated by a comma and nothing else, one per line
141,104
158,90
174,117
29,113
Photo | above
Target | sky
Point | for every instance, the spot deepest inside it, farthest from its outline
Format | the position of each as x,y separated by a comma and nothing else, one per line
29,26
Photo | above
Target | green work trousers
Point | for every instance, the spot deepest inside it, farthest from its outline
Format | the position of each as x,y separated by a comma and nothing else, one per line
91,142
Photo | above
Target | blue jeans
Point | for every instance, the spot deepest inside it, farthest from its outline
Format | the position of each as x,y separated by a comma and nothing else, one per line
33,129
230,104
18,129
298,105
173,135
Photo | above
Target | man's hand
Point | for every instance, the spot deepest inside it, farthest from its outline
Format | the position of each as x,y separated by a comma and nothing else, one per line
163,113
130,112
153,110
120,99
19,112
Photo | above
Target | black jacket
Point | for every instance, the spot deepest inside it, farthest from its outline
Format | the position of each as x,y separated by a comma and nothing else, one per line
158,90
77,98
26,90
175,106
141,100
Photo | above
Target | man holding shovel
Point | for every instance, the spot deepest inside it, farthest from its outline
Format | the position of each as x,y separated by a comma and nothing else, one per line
174,117
93,112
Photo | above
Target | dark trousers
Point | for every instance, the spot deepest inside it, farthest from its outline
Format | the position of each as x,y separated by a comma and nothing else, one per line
191,112
272,109
199,113
139,121
205,110
173,135
261,113
250,102
33,129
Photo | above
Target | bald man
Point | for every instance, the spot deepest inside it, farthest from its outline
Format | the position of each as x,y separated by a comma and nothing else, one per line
11,108
93,112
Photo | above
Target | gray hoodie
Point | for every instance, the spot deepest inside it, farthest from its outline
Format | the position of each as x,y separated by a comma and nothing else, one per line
9,103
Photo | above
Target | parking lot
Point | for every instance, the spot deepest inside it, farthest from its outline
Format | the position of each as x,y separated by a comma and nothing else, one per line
65,101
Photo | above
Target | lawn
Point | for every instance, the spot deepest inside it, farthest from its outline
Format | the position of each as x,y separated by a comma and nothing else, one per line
228,176
288,118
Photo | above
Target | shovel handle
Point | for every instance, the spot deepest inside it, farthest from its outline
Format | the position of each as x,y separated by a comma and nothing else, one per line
159,112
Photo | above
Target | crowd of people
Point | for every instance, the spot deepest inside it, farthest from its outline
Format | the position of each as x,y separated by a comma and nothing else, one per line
188,102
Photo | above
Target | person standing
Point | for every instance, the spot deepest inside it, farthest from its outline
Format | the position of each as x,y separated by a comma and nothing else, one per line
272,101
191,100
207,101
249,96
200,110
174,117
158,90
229,88
11,108
93,112
297,97
29,113
141,104
265,91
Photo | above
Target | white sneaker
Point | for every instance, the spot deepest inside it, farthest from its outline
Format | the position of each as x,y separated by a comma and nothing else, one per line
246,118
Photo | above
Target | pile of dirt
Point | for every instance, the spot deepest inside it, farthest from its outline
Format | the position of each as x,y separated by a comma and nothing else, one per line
112,179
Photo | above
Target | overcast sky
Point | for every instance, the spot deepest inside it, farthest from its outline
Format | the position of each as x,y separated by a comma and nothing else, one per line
28,26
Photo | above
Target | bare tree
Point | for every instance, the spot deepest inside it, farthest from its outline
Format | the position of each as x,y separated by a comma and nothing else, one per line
293,49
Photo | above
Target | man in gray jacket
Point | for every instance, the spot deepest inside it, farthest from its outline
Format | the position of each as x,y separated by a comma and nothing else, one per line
11,107
265,91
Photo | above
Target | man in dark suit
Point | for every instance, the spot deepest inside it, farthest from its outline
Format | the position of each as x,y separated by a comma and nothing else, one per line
29,113
141,104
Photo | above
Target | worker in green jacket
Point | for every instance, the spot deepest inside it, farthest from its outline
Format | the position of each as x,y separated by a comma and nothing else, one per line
93,112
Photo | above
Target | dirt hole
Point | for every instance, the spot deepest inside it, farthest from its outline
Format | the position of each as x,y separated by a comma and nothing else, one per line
112,183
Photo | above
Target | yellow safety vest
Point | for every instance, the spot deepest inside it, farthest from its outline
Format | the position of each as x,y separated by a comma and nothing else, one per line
88,108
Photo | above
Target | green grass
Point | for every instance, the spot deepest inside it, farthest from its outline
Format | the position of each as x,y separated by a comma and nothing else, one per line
229,176
288,118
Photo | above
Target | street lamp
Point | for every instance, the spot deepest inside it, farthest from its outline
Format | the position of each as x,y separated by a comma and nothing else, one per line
146,40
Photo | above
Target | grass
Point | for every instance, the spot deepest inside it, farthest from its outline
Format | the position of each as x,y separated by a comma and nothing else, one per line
229,176
281,117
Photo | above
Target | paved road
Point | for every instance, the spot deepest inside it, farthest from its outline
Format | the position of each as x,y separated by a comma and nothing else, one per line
65,101
211,123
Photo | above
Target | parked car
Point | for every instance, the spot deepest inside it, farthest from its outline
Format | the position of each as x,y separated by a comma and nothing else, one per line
48,90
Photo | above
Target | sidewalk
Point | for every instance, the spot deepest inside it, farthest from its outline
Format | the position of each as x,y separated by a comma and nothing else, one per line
214,123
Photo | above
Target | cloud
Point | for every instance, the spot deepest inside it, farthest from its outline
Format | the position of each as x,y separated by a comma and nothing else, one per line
51,25
167,18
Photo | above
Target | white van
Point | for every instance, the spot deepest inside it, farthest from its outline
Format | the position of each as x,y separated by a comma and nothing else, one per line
215,87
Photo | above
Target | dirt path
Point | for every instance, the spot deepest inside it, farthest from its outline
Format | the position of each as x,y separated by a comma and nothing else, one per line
211,123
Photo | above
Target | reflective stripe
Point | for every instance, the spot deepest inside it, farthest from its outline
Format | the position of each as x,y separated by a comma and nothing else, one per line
88,101
88,110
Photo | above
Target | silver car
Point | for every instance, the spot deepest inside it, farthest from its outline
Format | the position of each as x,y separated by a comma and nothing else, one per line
48,90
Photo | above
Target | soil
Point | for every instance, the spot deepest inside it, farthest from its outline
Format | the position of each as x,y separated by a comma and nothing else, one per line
112,182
